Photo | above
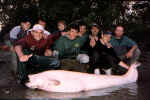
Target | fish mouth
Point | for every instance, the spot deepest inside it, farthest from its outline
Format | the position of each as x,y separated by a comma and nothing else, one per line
30,85
27,84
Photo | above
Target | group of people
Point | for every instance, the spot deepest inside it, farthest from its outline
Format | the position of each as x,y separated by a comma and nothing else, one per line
38,49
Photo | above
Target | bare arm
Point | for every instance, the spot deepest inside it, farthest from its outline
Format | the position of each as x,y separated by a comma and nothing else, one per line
22,57
133,48
18,50
130,52
124,65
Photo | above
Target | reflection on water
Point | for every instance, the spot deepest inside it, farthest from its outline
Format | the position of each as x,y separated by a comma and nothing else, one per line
129,90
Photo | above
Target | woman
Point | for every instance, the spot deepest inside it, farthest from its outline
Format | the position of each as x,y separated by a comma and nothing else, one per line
103,55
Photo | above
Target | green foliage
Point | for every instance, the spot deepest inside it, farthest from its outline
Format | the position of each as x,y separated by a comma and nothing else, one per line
105,13
101,12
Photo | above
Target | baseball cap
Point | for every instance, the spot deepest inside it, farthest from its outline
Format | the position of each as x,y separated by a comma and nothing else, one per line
38,27
107,32
95,25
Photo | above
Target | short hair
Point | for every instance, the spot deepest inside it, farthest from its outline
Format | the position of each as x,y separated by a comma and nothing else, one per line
95,25
26,19
82,24
74,26
42,19
119,25
62,21
107,32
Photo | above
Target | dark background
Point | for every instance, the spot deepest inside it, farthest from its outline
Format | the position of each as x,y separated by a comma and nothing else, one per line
134,15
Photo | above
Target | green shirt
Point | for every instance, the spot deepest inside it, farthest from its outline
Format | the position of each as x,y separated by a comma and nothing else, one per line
69,48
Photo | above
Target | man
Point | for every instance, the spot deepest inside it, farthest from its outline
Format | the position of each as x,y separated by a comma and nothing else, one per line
42,22
82,29
61,25
16,34
95,31
20,31
69,45
95,34
34,53
82,38
92,38
83,35
124,47
103,55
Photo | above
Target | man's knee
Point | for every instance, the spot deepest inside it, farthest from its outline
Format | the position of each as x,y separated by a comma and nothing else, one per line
83,58
55,63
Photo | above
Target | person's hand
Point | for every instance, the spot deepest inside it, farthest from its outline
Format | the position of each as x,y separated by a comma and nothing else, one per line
12,49
129,54
48,52
25,58
45,36
96,38
108,45
92,42
64,33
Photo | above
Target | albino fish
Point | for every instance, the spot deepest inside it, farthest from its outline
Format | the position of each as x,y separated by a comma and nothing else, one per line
69,82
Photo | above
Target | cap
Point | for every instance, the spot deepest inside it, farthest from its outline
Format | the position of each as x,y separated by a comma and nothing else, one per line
38,27
95,25
107,32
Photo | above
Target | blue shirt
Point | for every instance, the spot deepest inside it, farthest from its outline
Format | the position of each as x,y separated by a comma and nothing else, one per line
14,32
121,46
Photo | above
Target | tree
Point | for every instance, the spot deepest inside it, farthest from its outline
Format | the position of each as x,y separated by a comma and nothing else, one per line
105,13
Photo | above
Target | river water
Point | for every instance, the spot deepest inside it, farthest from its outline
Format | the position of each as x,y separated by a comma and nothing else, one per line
140,90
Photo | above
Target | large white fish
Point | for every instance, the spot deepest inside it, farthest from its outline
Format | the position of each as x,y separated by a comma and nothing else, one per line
68,81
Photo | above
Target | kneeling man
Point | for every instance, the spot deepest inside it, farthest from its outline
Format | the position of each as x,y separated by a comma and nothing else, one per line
125,48
34,53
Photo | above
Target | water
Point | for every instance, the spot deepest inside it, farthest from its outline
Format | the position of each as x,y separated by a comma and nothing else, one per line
129,90
9,89
126,92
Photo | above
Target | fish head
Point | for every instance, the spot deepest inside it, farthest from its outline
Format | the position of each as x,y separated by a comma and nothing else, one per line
34,82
